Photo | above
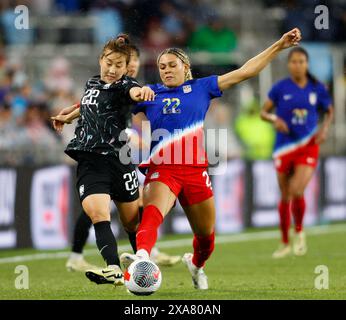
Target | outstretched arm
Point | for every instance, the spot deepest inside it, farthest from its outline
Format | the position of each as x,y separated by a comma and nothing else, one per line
66,115
252,67
139,94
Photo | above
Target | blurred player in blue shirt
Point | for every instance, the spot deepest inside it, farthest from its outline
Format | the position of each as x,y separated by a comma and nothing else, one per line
298,101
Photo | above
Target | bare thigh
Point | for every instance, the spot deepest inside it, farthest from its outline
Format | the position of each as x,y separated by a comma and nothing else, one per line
202,217
159,195
300,179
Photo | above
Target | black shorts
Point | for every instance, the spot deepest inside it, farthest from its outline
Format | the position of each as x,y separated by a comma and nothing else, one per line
97,173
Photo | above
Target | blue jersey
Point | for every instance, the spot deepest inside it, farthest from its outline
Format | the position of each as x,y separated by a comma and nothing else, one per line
298,107
176,117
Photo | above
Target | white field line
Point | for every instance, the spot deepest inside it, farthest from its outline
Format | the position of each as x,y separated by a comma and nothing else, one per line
233,238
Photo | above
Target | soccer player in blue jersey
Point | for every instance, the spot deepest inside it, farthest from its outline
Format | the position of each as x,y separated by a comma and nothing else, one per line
177,167
297,100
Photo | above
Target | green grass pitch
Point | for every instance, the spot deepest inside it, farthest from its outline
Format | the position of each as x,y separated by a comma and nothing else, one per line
240,268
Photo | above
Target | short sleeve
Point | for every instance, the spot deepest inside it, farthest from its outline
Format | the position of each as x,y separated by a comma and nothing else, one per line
211,85
273,93
324,99
130,83
139,107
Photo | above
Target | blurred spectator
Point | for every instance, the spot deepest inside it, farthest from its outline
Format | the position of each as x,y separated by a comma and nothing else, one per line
173,23
59,87
219,117
108,21
41,7
196,12
139,14
19,100
302,14
12,35
157,38
257,136
67,6
214,37
58,76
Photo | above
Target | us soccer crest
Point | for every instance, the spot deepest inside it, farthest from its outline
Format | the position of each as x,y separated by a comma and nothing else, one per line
313,98
187,89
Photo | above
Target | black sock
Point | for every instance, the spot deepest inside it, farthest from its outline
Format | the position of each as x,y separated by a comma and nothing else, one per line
81,232
106,243
140,210
132,238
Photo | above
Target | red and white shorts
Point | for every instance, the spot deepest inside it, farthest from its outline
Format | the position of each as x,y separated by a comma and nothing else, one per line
306,155
190,184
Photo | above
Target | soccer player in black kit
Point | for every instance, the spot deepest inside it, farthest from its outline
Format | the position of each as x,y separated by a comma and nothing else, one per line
76,261
97,147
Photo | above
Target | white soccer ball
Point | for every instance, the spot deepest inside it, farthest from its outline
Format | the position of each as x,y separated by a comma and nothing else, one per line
143,277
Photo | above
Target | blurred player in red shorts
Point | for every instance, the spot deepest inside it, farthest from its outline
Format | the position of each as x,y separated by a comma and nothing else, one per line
297,100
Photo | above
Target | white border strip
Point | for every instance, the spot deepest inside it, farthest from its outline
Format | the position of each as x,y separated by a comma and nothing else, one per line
234,238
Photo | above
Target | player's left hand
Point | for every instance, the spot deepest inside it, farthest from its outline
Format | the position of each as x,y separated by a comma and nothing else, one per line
59,121
147,94
321,136
290,39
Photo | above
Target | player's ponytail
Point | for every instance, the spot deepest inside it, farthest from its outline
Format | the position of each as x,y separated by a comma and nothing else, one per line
182,56
301,50
121,44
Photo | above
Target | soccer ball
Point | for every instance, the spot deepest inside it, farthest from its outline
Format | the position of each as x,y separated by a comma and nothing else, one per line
143,277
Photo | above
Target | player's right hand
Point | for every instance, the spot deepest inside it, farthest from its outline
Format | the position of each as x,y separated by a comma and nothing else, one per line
281,126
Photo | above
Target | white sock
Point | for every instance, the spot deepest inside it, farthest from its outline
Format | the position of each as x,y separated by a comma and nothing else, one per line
142,254
76,256
154,253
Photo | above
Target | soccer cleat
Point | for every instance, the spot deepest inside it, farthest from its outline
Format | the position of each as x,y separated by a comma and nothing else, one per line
110,275
299,246
163,259
78,264
199,278
126,259
283,251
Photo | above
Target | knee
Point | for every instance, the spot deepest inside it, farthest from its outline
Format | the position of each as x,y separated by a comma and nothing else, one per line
97,215
207,233
131,226
296,191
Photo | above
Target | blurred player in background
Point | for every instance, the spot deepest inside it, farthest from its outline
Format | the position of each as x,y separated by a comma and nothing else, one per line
97,147
182,102
76,261
297,100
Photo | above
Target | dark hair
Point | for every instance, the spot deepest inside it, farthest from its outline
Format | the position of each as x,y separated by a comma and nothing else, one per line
121,44
305,53
134,48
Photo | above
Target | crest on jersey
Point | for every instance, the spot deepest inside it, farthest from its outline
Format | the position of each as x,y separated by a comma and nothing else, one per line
187,89
155,175
81,190
313,98
106,86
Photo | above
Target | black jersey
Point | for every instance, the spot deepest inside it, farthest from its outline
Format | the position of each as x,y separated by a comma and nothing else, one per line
104,110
